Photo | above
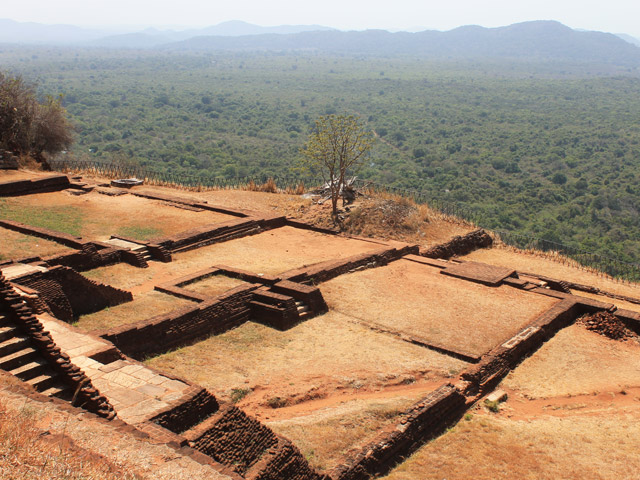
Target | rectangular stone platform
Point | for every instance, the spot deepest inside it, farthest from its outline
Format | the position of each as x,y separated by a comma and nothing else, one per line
479,272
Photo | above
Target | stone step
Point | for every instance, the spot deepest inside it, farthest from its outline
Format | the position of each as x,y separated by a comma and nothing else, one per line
8,332
13,345
43,382
30,370
16,359
59,390
303,308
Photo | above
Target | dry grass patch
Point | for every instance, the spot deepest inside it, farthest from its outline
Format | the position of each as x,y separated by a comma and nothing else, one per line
26,452
214,285
325,436
128,277
14,245
276,251
417,300
103,445
400,218
577,361
324,353
550,448
143,306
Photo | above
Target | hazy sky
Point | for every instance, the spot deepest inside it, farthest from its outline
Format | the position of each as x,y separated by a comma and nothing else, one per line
616,16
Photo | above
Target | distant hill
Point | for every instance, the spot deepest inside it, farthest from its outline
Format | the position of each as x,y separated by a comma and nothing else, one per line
540,40
629,38
235,28
37,33
153,37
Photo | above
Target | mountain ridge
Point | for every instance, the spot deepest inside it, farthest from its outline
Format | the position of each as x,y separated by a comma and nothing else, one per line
542,39
535,40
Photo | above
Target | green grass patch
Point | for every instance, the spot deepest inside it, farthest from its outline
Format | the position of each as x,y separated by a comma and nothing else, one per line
138,232
238,394
63,219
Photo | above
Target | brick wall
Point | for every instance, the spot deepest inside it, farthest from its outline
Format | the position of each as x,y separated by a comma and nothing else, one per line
50,292
52,183
208,234
273,309
460,245
422,421
8,161
630,318
58,237
305,293
283,460
87,259
69,294
325,271
188,411
232,438
181,327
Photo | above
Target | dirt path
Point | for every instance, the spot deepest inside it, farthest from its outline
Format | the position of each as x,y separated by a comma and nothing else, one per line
324,398
518,407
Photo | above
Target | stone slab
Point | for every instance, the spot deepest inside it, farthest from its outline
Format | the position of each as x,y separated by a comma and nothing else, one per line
16,270
479,272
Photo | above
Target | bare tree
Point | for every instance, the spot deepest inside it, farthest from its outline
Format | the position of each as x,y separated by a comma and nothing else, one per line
337,145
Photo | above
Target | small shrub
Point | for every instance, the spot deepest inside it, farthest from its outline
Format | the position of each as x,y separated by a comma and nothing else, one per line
492,406
277,402
297,190
238,394
269,186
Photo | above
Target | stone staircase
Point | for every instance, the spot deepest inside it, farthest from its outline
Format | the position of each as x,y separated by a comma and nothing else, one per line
139,251
21,360
303,309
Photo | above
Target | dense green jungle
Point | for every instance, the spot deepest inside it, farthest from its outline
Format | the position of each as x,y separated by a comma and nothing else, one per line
545,149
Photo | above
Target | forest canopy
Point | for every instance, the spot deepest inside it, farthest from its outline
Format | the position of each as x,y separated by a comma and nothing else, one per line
546,149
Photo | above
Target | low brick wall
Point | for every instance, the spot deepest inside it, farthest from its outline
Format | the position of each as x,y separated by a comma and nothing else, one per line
500,360
305,293
8,161
322,272
424,420
630,318
51,183
87,259
188,412
208,234
69,294
274,310
460,245
86,394
184,326
192,203
58,237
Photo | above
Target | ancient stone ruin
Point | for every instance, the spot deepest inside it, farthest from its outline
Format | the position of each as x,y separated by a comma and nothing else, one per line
483,318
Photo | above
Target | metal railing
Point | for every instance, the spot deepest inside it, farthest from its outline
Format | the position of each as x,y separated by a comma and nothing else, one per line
614,268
